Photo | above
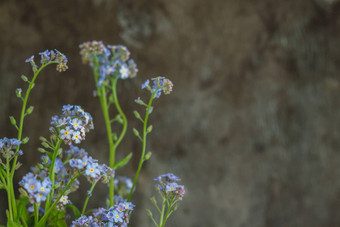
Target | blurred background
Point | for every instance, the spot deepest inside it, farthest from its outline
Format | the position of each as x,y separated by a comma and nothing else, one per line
252,125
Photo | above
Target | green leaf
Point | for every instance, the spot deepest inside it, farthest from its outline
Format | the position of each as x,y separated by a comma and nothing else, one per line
123,162
75,210
11,223
22,205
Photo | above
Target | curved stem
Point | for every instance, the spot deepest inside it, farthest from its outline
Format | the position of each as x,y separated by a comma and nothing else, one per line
10,191
114,93
88,197
145,125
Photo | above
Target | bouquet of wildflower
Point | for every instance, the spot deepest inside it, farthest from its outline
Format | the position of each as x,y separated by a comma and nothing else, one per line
44,191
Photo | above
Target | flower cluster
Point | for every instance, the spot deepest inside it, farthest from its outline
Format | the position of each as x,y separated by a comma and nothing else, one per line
37,189
160,84
72,125
108,61
62,176
168,186
76,152
117,215
50,56
7,147
92,170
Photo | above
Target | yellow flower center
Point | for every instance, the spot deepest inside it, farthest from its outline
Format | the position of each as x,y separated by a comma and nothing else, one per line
91,170
32,187
42,189
40,194
84,163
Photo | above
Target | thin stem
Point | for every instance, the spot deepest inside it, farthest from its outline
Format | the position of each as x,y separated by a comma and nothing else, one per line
162,214
44,218
36,214
10,190
145,125
103,102
114,94
3,180
88,197
52,173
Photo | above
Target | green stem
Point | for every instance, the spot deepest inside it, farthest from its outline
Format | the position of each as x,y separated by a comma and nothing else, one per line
36,214
145,125
3,180
9,191
52,174
120,138
103,102
114,93
88,197
44,218
162,214
20,129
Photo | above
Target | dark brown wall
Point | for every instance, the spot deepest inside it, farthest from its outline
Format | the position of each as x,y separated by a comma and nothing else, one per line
252,126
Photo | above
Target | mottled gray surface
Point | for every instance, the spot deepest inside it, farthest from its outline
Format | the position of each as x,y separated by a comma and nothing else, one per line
252,126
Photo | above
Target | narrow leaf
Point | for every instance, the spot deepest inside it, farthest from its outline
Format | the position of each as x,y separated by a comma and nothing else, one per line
123,162
75,210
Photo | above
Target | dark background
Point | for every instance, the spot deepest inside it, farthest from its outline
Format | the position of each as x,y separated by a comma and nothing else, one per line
252,126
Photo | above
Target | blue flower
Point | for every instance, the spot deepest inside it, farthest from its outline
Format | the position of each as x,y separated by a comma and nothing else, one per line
160,84
146,83
45,56
171,187
37,190
18,92
66,133
64,200
29,59
73,124
76,123
92,170
169,177
117,216
124,72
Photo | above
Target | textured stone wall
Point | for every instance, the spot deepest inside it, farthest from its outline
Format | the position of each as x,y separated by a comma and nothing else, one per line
252,126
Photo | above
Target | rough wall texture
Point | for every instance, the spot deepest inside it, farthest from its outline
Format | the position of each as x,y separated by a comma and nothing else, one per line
252,126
